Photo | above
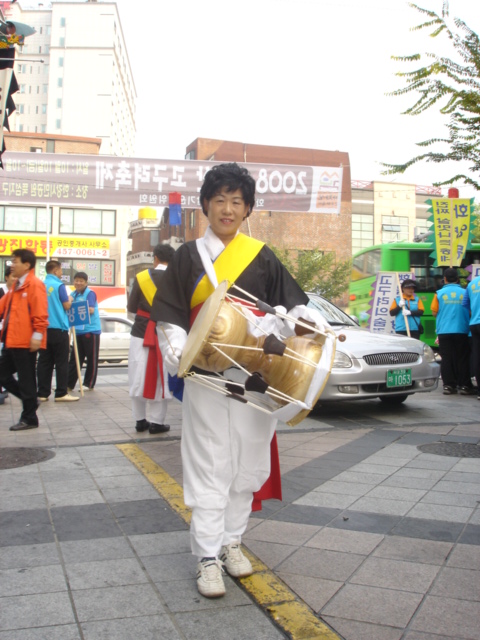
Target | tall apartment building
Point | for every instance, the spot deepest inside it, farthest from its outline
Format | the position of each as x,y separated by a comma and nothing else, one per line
84,86
385,212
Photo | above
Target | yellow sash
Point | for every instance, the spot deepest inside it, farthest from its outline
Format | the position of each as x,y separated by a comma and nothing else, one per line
147,285
233,260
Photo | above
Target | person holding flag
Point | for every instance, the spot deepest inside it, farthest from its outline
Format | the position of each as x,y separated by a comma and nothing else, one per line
145,367
407,308
226,444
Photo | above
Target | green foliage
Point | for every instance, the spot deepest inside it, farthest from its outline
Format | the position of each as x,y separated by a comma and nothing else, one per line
317,272
455,86
476,224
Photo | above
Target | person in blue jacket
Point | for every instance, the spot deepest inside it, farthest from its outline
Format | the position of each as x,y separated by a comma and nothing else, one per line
88,336
452,330
408,308
471,301
55,353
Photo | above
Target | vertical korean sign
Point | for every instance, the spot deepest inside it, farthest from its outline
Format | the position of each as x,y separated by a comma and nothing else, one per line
385,288
452,227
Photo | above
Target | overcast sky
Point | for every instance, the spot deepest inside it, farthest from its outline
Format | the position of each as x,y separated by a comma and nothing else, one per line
299,73
293,73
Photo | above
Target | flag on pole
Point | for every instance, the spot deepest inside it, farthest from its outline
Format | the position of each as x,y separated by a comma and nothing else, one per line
174,208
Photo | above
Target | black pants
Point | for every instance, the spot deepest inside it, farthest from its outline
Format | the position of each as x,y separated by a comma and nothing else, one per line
55,355
22,362
88,345
475,329
455,366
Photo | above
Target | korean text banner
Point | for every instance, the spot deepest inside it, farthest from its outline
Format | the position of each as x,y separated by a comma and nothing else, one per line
102,180
59,247
451,219
385,288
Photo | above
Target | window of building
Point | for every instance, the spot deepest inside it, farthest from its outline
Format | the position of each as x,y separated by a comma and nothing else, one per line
58,123
36,109
46,69
22,88
44,108
20,108
394,229
60,62
24,219
20,128
192,219
50,146
59,82
63,21
362,232
48,30
61,41
87,221
45,88
59,103
44,128
46,48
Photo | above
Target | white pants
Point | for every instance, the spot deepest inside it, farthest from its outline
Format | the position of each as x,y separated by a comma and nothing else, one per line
137,364
226,457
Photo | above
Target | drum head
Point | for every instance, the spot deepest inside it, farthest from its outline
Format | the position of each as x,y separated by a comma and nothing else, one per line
201,328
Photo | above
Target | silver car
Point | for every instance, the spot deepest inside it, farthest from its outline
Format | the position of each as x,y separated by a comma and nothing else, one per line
115,338
373,365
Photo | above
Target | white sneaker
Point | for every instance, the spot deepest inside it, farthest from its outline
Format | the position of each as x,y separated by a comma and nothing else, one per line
237,565
42,399
67,398
210,578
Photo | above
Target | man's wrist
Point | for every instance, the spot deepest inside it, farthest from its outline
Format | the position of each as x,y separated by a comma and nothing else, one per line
37,336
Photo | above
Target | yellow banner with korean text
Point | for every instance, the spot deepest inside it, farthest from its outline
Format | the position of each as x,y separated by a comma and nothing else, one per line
60,247
452,227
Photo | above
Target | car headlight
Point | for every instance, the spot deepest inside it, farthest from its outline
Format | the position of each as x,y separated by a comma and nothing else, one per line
342,361
428,353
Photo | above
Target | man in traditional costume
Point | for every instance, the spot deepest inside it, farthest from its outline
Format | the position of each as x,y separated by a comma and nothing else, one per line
226,444
147,379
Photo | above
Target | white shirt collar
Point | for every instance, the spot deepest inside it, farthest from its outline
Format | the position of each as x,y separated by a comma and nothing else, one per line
213,244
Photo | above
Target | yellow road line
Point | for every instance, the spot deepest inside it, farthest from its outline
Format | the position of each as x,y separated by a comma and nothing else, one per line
284,607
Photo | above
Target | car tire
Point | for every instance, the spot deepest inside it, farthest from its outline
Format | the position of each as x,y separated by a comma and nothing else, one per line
395,399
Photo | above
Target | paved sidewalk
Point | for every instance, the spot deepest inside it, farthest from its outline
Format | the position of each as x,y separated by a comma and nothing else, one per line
375,537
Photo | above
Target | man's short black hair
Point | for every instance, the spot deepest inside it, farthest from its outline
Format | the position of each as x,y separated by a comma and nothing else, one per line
450,275
82,275
25,255
52,265
231,176
164,252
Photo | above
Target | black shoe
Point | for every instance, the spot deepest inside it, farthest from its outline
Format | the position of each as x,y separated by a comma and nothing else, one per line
23,426
468,391
449,391
142,425
158,428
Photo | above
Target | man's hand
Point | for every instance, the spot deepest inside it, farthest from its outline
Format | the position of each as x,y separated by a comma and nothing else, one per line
35,344
407,312
402,302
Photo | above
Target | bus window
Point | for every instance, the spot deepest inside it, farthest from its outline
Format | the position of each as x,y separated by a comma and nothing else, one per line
366,265
428,277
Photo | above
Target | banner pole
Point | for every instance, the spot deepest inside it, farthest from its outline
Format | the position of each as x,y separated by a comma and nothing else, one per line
77,361
405,317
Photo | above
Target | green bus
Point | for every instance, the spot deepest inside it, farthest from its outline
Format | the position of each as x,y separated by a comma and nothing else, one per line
402,257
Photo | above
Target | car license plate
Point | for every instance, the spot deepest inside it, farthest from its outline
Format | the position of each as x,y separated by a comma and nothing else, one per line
399,378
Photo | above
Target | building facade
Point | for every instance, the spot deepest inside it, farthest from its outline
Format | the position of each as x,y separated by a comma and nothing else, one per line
76,79
91,239
384,212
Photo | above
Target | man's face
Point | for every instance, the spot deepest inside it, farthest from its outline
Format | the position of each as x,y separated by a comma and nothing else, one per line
19,268
80,284
58,272
226,211
10,280
409,291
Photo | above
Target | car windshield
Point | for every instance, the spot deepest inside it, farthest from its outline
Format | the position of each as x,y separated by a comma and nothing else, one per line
332,314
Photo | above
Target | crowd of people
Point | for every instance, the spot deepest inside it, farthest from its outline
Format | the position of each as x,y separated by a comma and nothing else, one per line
227,446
